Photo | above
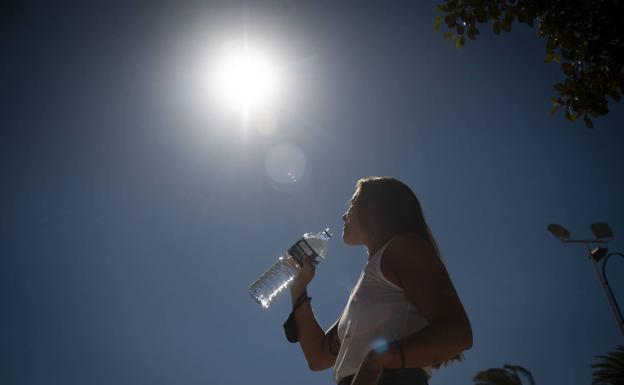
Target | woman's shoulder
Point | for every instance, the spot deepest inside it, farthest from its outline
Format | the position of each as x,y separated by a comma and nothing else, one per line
408,248
407,254
410,242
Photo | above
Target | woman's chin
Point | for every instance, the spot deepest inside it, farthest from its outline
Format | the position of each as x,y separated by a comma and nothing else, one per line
346,239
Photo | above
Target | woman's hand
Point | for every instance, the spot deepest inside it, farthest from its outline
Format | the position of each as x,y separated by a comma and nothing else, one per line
305,276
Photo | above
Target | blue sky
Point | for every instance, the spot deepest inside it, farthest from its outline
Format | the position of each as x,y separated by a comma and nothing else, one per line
134,214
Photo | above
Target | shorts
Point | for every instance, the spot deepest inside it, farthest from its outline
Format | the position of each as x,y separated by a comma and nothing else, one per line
407,376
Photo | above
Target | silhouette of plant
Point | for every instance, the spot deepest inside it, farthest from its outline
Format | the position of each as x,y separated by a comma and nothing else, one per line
508,375
610,370
585,37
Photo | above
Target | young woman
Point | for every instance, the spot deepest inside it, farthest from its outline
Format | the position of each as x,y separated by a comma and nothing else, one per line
403,316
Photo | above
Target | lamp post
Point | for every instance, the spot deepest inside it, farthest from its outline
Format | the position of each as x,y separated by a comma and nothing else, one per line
603,234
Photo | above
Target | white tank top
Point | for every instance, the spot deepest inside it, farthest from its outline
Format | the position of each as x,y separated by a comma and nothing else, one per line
377,312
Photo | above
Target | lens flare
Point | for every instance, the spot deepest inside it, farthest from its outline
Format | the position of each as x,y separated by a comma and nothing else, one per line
285,164
380,345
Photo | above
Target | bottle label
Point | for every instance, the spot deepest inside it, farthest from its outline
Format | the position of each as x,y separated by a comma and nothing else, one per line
302,248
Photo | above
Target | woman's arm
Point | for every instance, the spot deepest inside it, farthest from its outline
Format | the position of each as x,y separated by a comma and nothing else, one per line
320,348
426,283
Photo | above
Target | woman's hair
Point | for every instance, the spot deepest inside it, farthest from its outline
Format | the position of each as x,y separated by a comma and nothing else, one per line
398,211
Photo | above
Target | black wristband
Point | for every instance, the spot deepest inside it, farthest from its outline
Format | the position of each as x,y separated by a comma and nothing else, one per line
290,326
401,353
302,298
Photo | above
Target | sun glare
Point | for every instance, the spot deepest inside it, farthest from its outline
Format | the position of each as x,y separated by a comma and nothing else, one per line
245,80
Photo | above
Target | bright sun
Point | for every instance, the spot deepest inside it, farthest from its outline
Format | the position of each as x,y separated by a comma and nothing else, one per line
245,79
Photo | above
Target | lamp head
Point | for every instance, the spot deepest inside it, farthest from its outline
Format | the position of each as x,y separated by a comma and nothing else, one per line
601,230
598,253
560,232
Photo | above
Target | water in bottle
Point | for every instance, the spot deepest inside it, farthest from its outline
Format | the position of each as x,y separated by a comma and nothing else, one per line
273,282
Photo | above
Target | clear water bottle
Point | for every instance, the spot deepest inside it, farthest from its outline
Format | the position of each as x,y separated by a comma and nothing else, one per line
274,282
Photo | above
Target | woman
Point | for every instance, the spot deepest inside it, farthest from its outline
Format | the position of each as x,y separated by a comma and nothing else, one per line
403,316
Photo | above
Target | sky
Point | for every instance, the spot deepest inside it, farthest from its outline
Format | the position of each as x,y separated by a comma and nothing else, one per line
135,210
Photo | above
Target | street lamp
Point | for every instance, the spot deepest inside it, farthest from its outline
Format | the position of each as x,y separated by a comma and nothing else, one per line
603,234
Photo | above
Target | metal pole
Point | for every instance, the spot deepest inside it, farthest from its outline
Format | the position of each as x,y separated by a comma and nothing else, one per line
607,289
604,276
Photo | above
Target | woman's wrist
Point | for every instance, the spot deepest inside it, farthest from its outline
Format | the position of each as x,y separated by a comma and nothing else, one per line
303,298
296,290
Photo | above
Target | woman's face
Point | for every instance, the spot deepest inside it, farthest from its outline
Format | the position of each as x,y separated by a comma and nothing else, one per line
352,231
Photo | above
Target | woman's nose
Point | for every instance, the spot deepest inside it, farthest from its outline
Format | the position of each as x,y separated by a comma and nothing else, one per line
344,217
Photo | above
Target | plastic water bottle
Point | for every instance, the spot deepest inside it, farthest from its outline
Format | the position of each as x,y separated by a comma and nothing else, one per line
274,282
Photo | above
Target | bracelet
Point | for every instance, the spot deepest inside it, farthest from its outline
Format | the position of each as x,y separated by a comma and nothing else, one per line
401,353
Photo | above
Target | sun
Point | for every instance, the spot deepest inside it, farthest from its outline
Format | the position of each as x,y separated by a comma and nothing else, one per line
245,79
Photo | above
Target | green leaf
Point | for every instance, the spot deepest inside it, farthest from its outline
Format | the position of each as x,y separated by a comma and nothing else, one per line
550,57
570,116
459,42
437,23
555,109
496,27
506,24
448,35
559,87
588,121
